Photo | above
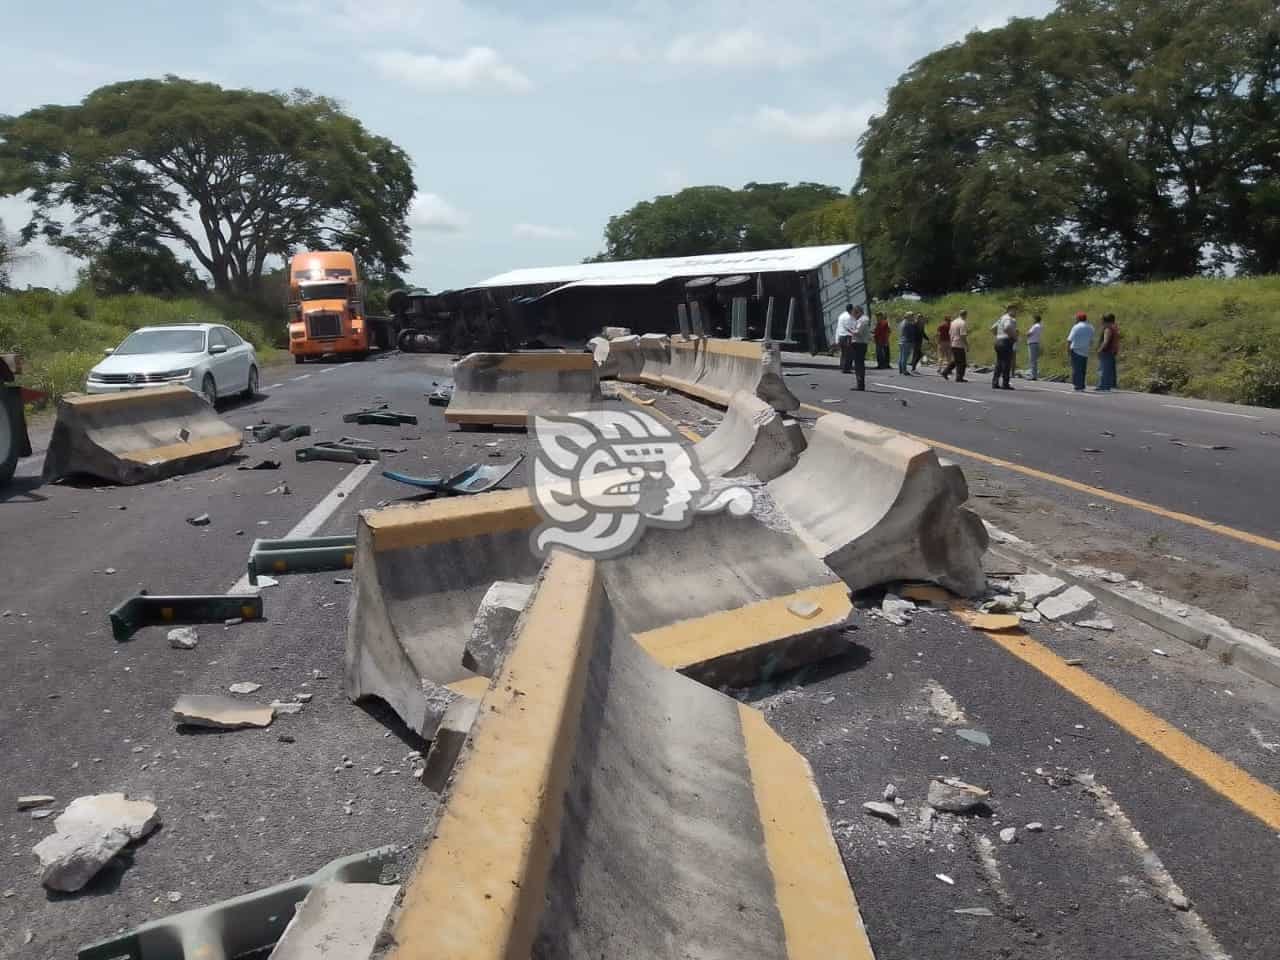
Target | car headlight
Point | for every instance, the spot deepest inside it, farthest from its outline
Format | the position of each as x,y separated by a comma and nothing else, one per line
95,377
184,374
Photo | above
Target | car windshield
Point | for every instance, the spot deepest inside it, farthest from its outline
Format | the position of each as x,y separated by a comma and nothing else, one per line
162,341
324,291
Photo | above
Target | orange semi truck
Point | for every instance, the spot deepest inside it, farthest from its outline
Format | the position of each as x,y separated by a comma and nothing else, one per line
326,309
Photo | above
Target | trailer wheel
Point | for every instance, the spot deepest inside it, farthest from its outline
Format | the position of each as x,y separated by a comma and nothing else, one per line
10,431
405,342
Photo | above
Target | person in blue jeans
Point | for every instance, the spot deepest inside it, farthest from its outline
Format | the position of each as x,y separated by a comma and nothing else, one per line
1107,350
1079,340
906,340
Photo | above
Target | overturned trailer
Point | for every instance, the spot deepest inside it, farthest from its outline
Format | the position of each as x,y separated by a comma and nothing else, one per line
793,296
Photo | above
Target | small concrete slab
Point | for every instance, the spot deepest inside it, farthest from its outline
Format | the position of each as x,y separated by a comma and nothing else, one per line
1034,587
495,619
220,713
337,920
1072,604
91,831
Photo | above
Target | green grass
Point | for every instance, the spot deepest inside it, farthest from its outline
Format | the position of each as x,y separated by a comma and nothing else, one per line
62,335
1210,338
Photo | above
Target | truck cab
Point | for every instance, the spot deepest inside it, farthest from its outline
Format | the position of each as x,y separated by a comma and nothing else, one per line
326,307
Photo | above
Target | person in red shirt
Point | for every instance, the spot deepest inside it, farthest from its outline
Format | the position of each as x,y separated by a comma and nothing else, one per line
944,342
882,342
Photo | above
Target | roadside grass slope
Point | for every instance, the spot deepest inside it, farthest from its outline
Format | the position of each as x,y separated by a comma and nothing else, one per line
1217,339
62,335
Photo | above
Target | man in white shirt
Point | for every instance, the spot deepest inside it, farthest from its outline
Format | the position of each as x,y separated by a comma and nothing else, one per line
1079,340
860,334
1006,331
1033,345
959,347
844,337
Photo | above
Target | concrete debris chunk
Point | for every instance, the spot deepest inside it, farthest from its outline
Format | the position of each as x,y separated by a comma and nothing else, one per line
337,920
499,609
1096,623
1001,604
945,879
245,686
1009,835
34,800
885,811
1034,587
1035,826
955,796
975,736
455,726
1071,603
286,707
896,610
1030,616
183,638
199,520
91,831
220,713
890,792
974,912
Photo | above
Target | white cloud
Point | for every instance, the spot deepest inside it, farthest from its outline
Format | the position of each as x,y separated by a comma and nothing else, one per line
832,125
736,48
478,68
538,231
431,213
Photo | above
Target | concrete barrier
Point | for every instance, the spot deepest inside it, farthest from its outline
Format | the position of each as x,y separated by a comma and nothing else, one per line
727,601
652,354
753,439
503,389
714,370
138,436
605,807
878,507
617,359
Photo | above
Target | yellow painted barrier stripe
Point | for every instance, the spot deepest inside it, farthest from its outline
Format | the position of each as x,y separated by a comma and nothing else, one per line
439,521
724,632
499,418
1218,774
126,398
820,915
473,687
192,448
660,414
544,361
480,887
751,349
1242,535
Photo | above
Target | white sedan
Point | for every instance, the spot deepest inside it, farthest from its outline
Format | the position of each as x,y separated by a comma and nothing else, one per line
207,357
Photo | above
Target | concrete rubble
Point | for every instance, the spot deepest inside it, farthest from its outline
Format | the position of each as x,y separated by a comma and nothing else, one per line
896,610
885,811
337,920
34,800
955,796
183,638
1034,587
455,726
91,831
1096,623
245,687
1009,835
1072,603
220,713
496,617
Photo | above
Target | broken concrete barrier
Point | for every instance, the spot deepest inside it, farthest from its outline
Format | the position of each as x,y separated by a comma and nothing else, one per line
88,834
503,389
137,437
600,798
651,356
495,619
715,601
446,746
337,920
878,507
752,439
714,370
617,359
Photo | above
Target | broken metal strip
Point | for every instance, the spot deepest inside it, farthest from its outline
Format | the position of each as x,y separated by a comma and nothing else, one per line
383,418
147,610
336,453
295,431
246,924
301,555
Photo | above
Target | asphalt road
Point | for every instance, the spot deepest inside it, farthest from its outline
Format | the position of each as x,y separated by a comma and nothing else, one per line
81,714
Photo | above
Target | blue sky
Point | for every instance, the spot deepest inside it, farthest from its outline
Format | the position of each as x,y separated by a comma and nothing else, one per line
529,124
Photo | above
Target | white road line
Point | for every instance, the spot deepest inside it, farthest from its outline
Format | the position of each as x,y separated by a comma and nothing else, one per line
930,393
327,370
303,377
273,386
318,514
1221,413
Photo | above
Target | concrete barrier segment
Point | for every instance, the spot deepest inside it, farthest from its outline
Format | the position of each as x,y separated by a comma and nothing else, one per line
137,437
618,358
714,370
877,506
652,356
752,439
503,389
605,806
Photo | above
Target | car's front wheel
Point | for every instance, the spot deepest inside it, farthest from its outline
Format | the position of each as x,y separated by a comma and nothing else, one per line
251,390
209,390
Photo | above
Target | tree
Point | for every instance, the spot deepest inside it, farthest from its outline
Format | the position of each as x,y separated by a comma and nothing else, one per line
232,176
141,266
700,220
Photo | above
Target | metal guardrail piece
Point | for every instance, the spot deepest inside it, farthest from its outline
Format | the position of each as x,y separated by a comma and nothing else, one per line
263,432
246,924
340,453
301,555
473,479
382,415
149,610
297,430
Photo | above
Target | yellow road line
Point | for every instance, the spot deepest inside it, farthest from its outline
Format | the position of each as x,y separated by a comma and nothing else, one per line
1220,775
661,414
820,916
1194,521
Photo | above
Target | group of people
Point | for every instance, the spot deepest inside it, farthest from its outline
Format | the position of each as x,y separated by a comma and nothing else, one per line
855,334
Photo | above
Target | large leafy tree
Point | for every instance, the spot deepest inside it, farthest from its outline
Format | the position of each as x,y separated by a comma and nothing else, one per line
233,177
1127,139
713,219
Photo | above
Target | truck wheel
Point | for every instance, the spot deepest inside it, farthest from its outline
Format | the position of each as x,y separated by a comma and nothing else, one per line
405,342
298,358
10,430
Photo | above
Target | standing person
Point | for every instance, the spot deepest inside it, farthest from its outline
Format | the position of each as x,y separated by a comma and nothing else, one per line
944,342
1033,345
1078,342
959,347
1107,351
919,336
844,337
906,337
1006,331
882,342
861,336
